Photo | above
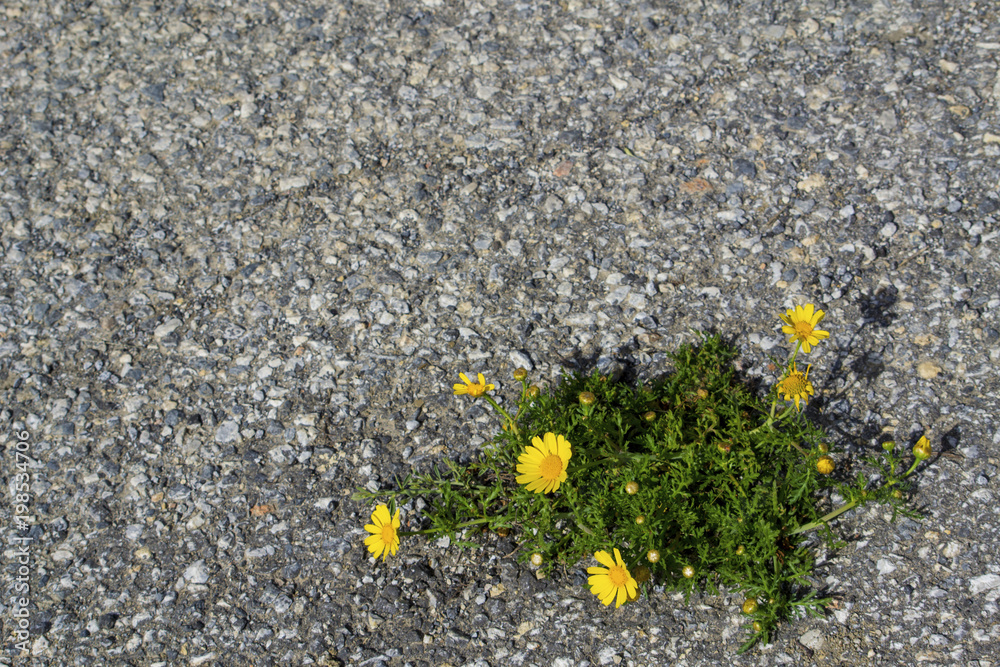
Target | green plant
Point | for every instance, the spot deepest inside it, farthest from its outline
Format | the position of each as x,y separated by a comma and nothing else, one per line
692,480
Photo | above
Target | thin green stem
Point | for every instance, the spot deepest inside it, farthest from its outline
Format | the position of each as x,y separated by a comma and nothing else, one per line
847,506
496,406
431,531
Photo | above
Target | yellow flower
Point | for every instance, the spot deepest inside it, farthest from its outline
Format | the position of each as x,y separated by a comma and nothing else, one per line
801,326
473,389
825,465
383,539
543,463
796,386
922,450
612,582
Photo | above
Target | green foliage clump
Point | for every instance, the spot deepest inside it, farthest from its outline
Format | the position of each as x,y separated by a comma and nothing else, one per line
693,478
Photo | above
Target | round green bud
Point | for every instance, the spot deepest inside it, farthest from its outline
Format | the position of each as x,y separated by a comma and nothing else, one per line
520,374
632,488
587,398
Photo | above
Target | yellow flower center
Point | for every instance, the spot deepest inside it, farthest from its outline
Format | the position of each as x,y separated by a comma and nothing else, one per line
388,533
618,576
794,384
551,467
803,329
476,390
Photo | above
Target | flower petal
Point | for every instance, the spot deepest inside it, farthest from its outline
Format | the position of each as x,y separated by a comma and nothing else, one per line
622,596
380,516
604,558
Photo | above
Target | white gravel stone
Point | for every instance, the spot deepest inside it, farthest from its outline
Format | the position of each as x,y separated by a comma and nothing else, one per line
984,583
228,431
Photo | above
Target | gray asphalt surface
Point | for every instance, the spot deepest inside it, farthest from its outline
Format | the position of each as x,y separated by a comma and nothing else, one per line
247,248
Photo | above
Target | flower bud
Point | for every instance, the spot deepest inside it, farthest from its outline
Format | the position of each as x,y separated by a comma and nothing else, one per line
649,416
889,445
653,556
632,488
520,374
641,574
533,391
639,520
688,571
536,559
757,627
922,450
825,465
587,398
749,606
740,550
823,448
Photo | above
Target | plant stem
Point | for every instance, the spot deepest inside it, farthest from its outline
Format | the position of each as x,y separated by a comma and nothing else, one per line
431,531
843,508
496,406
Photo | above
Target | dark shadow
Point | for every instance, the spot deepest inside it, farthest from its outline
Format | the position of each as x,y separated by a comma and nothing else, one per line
876,308
832,410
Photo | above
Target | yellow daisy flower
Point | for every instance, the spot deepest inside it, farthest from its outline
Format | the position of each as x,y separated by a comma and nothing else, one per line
383,539
612,582
796,386
543,463
801,326
473,389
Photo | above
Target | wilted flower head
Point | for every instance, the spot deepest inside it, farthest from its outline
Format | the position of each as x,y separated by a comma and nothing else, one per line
922,450
796,385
